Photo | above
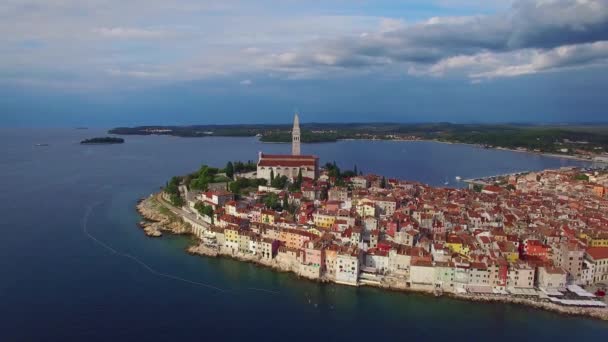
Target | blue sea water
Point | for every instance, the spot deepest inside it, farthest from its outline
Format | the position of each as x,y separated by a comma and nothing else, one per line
58,284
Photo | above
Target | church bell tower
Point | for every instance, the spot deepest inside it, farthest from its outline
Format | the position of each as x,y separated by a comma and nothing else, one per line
295,136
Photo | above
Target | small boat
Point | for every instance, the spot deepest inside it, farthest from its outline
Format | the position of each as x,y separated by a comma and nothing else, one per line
458,178
40,145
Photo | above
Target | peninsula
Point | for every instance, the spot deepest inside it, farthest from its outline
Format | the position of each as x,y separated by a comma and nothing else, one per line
581,141
103,140
534,238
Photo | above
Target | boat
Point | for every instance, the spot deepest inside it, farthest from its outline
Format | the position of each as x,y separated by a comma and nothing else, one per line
458,178
40,145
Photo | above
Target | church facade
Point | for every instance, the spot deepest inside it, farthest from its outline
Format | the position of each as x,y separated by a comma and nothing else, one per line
289,165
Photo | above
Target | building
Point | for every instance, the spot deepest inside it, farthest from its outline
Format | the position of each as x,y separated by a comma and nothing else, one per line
552,278
295,136
570,256
347,266
598,256
422,275
289,166
520,275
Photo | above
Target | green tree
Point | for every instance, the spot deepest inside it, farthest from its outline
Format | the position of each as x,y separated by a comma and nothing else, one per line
172,186
299,179
229,170
279,182
203,209
355,169
176,200
510,187
477,187
285,201
383,183
271,175
272,201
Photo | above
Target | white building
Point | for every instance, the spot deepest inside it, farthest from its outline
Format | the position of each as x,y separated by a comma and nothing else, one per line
552,278
347,270
289,165
598,256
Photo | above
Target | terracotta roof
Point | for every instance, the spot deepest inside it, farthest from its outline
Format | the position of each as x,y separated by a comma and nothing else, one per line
287,156
598,252
290,163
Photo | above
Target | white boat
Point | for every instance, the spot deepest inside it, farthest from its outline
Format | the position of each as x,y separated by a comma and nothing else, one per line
458,178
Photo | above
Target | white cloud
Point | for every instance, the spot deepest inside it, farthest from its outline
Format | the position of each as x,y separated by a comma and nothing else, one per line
563,57
129,33
294,40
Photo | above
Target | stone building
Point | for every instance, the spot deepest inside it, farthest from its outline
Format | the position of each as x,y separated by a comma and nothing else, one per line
288,165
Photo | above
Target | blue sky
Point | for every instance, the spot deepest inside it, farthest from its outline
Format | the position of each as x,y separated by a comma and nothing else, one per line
107,63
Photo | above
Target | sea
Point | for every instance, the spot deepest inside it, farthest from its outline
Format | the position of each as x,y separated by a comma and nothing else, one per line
75,266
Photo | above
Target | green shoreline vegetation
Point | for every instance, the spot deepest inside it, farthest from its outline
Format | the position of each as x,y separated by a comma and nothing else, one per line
103,140
579,139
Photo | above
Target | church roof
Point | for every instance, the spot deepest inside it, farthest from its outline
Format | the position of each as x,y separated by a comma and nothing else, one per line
287,160
287,156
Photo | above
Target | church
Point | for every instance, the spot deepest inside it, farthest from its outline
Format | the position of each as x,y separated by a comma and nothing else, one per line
289,165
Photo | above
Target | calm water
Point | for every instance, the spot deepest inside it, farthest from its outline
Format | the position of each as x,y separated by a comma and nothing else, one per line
59,285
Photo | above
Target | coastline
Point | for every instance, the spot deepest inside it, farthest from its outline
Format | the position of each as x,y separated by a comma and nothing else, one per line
545,154
155,212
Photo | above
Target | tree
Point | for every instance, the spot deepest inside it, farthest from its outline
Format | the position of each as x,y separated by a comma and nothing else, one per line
510,187
272,201
383,182
176,200
279,182
172,186
477,187
229,170
355,169
203,209
285,201
271,175
299,179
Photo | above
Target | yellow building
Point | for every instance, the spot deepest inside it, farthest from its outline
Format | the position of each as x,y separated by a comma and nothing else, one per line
267,217
511,256
456,245
459,248
315,231
231,235
509,251
323,220
597,240
366,208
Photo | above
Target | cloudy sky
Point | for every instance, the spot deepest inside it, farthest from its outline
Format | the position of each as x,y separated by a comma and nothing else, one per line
126,62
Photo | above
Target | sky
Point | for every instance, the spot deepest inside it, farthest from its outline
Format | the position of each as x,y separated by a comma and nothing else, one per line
145,62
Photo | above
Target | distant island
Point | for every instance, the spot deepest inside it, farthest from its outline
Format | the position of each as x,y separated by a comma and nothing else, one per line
103,140
585,141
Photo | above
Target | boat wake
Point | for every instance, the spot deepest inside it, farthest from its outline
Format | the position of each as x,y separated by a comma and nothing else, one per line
85,230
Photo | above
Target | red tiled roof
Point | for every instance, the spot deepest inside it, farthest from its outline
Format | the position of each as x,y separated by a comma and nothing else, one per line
598,252
290,163
287,156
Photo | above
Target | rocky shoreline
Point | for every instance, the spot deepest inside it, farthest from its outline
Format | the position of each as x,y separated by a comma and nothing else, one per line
158,218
